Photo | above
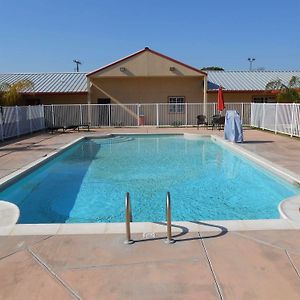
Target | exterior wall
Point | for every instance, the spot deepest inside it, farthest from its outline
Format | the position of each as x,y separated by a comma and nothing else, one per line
56,98
236,96
146,64
149,90
144,90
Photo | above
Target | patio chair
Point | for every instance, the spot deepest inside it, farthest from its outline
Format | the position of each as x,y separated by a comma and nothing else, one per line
218,121
201,120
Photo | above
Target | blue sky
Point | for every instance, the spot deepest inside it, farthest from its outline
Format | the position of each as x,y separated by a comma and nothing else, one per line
46,35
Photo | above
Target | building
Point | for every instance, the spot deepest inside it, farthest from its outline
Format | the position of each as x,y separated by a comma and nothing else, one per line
148,76
246,86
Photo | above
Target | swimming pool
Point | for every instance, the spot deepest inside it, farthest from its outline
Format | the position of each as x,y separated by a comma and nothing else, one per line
207,181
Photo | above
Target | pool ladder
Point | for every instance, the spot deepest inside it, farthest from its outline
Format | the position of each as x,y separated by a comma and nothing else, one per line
128,217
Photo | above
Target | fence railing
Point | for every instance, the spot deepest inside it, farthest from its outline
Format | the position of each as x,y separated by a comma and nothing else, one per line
127,115
19,120
277,117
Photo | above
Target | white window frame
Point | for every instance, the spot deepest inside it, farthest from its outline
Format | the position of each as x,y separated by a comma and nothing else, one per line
173,104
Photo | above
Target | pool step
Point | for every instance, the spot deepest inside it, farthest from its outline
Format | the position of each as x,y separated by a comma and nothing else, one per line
117,140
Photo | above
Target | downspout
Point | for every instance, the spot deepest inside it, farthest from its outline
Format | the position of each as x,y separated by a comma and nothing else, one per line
205,95
89,101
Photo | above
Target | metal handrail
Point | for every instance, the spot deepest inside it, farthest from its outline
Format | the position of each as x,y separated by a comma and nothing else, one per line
169,239
128,217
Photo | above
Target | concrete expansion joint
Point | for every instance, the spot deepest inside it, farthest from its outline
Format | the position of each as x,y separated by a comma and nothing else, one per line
47,268
10,254
104,266
218,287
25,147
258,240
292,263
22,248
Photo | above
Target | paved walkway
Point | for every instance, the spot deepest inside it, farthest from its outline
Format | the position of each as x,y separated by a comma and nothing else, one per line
200,265
229,265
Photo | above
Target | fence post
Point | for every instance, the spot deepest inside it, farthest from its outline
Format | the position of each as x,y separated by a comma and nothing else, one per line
30,118
42,116
109,115
138,114
276,117
293,116
251,114
242,113
17,121
89,107
52,111
186,114
263,116
1,123
81,117
157,115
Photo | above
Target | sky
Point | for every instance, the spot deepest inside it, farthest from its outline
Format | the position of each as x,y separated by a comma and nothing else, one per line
46,35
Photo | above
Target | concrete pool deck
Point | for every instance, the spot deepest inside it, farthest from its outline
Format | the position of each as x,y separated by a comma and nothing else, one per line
222,262
228,265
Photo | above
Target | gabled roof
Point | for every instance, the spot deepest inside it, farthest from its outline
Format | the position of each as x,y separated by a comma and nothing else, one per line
246,80
50,82
146,49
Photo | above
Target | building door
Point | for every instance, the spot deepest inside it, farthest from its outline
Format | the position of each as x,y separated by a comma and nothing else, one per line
104,111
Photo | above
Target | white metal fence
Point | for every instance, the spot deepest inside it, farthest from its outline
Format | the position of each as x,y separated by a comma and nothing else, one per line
18,120
152,114
277,117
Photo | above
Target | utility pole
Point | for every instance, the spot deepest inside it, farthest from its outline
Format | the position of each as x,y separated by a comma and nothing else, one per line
251,60
77,62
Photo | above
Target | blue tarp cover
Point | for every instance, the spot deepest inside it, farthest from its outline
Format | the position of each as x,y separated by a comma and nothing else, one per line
233,129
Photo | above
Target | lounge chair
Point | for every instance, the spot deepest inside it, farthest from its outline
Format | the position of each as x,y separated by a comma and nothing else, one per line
87,126
54,128
71,127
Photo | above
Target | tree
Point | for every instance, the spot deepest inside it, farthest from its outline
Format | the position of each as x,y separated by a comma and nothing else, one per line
287,93
212,69
11,93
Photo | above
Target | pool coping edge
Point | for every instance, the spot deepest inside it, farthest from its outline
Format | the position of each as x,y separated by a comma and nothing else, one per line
137,227
149,227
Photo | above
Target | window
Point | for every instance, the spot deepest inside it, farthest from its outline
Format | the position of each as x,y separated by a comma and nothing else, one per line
264,99
33,101
176,104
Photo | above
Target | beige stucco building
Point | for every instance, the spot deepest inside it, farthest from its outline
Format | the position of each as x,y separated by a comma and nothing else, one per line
147,77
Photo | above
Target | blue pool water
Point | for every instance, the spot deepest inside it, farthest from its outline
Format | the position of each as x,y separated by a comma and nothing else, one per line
87,183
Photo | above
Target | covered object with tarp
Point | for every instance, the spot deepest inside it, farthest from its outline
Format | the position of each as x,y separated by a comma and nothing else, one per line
233,129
